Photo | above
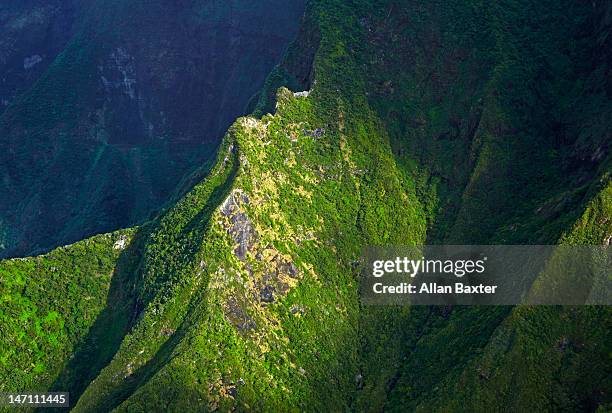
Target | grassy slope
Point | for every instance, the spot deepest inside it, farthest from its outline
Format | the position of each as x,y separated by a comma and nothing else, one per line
50,303
206,333
312,201
537,359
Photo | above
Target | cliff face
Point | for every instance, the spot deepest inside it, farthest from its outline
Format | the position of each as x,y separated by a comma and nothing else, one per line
138,96
406,124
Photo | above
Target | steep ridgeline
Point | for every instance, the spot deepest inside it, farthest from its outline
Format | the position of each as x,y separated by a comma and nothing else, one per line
100,136
399,129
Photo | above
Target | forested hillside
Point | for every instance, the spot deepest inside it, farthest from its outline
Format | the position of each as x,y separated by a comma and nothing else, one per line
386,123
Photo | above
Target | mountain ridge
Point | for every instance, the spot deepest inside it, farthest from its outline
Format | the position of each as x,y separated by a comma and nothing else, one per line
245,293
139,98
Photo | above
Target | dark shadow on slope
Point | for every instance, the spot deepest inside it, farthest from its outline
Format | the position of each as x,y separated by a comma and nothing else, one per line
438,354
198,225
111,326
295,72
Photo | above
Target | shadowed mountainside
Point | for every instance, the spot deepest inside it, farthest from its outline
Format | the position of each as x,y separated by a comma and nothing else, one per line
124,100
453,121
32,33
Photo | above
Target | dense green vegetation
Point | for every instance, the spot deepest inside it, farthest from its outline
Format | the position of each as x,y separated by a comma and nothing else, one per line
486,108
445,122
50,303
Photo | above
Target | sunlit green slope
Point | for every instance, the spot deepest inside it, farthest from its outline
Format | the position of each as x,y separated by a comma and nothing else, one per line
420,123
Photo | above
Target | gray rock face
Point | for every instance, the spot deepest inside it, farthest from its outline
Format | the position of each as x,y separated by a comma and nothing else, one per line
279,271
241,230
30,62
239,317
267,294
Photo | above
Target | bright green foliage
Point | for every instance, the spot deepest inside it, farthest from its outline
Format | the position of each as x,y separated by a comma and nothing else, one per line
48,305
313,184
425,122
